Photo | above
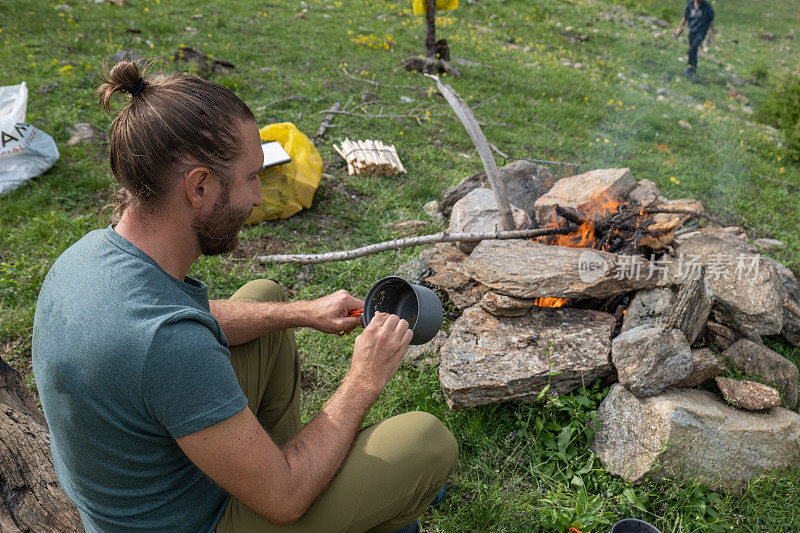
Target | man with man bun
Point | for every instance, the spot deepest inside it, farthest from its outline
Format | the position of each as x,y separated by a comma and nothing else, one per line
168,412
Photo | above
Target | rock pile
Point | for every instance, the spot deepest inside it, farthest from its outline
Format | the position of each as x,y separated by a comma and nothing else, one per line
651,322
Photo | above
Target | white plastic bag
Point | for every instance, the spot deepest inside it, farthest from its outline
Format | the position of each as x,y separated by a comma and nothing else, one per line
25,151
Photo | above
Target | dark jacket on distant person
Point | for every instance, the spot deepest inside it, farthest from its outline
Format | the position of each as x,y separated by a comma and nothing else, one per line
698,18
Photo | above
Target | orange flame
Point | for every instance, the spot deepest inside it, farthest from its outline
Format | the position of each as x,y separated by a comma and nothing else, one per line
550,302
584,237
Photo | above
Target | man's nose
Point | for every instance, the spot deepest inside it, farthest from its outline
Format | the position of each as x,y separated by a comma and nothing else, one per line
257,198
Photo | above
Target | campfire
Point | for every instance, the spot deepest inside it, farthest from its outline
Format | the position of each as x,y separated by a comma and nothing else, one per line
624,265
603,220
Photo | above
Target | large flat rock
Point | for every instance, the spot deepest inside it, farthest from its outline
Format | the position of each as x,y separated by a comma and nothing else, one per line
488,359
586,193
527,269
692,434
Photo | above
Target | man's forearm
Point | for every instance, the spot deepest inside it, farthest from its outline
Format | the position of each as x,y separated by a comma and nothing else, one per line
316,453
244,321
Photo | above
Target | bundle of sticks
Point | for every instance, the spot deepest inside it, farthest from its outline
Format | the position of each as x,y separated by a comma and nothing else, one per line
370,157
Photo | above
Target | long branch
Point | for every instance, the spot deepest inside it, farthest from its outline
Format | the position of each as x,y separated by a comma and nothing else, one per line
396,244
470,123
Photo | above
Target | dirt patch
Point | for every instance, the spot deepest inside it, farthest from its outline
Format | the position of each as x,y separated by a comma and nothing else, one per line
262,246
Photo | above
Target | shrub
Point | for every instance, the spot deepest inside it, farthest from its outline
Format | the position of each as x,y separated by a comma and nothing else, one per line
781,108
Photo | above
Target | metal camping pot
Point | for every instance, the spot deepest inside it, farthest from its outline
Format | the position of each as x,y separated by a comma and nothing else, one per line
418,305
632,525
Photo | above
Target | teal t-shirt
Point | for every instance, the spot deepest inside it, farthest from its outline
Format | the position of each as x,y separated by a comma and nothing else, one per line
127,359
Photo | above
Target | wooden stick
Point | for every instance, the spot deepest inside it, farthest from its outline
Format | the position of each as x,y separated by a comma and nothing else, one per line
466,117
326,123
396,244
399,163
381,115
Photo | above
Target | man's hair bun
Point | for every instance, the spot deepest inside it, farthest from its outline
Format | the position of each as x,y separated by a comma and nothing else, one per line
124,77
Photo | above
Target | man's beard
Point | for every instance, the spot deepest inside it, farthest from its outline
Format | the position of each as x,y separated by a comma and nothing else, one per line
218,232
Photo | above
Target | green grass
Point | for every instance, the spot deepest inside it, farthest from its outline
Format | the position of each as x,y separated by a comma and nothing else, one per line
522,467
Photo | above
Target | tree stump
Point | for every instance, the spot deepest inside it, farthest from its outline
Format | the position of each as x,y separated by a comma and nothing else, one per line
31,500
437,53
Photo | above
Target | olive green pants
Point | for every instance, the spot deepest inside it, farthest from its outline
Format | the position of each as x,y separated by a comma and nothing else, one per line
392,472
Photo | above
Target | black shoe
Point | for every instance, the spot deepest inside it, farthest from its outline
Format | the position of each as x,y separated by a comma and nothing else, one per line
413,527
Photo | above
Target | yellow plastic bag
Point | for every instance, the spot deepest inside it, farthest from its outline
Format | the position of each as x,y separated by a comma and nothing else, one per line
290,187
420,7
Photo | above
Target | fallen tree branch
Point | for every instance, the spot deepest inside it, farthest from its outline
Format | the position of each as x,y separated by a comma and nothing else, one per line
396,244
367,115
326,123
470,124
485,101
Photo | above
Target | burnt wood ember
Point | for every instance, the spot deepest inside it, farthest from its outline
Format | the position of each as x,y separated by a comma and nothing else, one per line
631,229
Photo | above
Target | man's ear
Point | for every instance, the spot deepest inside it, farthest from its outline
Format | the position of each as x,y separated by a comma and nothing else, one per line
198,185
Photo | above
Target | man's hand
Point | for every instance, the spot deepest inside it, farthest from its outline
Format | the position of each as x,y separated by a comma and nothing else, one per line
378,351
329,313
678,32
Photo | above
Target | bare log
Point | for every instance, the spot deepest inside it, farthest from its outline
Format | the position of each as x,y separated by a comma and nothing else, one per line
396,244
466,117
30,497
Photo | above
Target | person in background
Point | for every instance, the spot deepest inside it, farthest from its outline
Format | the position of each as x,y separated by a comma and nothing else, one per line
699,16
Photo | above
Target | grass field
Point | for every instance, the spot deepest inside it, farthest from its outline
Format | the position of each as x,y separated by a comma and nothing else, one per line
522,467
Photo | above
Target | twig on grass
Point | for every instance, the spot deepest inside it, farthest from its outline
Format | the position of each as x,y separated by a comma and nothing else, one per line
485,101
325,124
377,83
396,244
381,115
